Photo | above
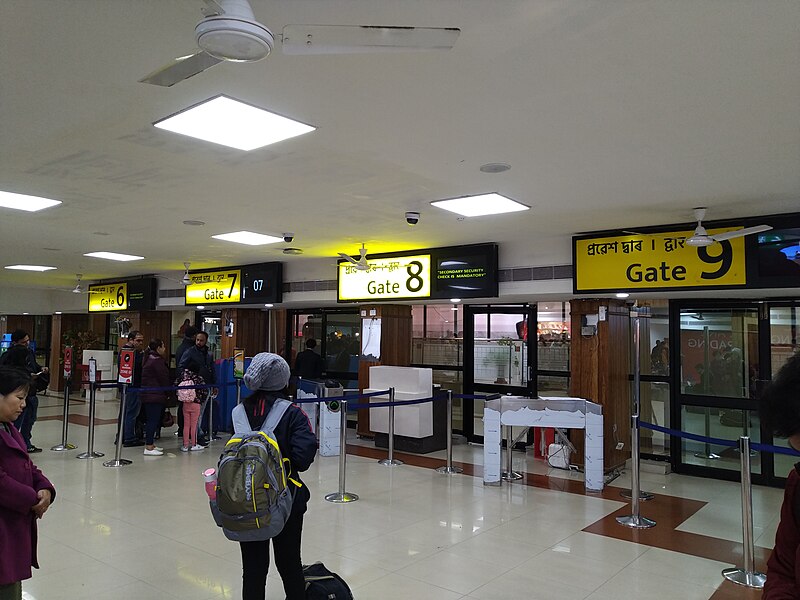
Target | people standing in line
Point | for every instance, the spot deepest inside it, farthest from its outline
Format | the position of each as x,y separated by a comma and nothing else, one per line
20,355
132,401
308,363
155,373
25,493
268,376
198,360
780,410
188,341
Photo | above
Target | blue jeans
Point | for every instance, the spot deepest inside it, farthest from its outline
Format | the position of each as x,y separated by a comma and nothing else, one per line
132,406
28,417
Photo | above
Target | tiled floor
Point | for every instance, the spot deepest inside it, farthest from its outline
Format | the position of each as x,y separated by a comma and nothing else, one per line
144,531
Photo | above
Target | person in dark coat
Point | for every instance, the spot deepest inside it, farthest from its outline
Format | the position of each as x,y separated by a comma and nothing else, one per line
780,411
132,401
155,373
268,375
188,342
20,355
25,493
308,363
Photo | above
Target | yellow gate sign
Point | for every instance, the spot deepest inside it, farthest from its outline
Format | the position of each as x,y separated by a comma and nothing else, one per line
386,279
214,287
657,261
108,297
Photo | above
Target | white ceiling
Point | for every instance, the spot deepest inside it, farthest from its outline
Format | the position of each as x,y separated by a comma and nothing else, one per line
612,114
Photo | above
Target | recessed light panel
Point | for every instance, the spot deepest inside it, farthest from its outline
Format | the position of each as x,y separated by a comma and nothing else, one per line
30,268
478,206
229,122
114,256
24,202
248,237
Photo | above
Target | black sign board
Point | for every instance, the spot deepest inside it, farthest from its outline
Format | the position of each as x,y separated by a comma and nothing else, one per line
262,282
142,294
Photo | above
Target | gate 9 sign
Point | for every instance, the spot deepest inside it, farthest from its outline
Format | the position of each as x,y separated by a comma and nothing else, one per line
659,261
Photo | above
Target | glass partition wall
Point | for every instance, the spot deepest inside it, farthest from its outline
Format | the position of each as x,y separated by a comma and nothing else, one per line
725,354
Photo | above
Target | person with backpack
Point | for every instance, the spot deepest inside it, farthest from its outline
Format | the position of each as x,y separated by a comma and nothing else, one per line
780,410
268,376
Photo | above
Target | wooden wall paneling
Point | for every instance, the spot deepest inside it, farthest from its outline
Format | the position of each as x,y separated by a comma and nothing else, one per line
599,372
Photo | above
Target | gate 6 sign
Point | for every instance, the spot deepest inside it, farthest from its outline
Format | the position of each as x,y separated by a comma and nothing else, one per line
108,297
656,261
387,279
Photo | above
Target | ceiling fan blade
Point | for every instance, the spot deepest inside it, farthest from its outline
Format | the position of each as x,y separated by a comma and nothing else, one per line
355,39
349,258
728,235
180,69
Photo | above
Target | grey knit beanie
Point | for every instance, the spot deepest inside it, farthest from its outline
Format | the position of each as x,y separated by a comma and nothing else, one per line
268,372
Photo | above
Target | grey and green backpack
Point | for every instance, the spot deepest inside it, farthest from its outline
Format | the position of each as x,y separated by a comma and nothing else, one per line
254,490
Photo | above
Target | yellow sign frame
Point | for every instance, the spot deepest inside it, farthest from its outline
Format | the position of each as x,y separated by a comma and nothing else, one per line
396,278
214,287
657,261
108,297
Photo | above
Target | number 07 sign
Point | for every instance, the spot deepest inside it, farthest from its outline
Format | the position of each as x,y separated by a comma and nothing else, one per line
658,261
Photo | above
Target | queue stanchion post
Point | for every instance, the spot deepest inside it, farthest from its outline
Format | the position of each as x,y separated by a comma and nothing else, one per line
65,445
449,468
637,371
342,496
118,460
747,576
510,474
90,453
391,461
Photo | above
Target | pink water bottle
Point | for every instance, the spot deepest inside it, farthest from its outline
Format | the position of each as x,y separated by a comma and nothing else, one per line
210,477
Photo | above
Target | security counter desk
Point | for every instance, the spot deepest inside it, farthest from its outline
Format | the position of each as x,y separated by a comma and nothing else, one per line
567,413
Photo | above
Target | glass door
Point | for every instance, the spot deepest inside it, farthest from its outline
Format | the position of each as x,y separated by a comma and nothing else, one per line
727,353
498,357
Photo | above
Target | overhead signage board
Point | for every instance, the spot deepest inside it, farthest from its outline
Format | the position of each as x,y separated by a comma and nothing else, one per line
108,297
657,261
262,283
214,287
435,273
396,278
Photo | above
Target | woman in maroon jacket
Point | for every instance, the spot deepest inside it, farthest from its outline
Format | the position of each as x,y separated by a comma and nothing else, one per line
25,494
155,373
780,410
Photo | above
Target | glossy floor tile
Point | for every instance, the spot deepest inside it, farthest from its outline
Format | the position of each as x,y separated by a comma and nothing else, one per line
144,531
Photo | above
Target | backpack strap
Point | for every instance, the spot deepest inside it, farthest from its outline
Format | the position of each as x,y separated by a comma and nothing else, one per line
275,415
241,424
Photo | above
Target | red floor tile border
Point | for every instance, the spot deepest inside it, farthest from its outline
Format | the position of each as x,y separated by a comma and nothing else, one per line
668,512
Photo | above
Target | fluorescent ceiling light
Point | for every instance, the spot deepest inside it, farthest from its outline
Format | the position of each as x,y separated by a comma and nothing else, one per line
247,237
114,256
478,206
228,122
23,202
30,268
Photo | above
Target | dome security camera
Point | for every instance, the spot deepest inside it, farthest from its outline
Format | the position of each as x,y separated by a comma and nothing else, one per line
288,237
412,218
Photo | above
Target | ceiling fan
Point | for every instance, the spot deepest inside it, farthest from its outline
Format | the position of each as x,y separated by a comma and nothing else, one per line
229,32
361,264
701,238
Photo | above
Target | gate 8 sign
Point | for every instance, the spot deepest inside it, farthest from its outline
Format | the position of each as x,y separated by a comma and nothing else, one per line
387,279
657,261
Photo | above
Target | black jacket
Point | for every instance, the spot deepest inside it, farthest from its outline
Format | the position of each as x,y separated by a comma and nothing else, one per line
200,362
308,365
187,343
294,436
